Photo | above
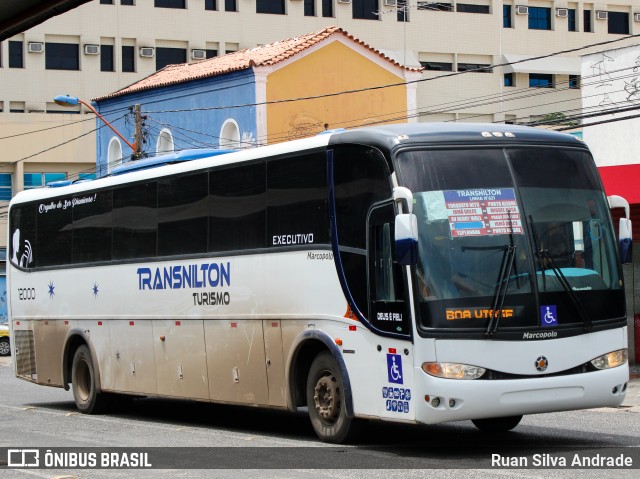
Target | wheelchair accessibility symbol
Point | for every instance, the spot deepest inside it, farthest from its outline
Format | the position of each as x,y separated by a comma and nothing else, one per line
394,368
548,316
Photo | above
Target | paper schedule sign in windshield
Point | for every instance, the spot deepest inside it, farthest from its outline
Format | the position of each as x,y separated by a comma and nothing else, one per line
483,212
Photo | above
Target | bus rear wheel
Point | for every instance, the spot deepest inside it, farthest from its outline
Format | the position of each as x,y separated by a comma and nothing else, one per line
83,381
497,424
326,401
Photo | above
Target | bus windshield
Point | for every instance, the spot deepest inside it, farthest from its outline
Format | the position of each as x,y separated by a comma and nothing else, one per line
496,225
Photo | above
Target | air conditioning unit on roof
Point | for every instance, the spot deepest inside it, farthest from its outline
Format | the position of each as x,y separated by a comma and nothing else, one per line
522,10
91,49
35,47
390,3
601,15
562,12
146,52
198,54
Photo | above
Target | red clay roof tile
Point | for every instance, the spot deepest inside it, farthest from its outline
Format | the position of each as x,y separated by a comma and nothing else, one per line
264,55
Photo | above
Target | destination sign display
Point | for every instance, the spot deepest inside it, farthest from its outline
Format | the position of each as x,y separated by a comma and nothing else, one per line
483,212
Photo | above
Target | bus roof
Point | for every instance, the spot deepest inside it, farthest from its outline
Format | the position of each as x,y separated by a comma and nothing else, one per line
384,137
388,137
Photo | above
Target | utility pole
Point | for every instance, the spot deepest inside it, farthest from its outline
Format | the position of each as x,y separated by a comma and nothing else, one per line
138,131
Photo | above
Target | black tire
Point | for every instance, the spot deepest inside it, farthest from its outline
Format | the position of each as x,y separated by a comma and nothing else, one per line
84,384
326,401
5,346
497,424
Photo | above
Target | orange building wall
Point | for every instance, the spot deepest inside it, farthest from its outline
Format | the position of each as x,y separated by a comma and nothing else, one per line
333,68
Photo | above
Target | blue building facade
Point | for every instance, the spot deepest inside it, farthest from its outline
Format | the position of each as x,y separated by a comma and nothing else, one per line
214,112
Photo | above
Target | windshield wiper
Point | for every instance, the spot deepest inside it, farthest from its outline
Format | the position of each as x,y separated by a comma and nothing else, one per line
562,279
508,259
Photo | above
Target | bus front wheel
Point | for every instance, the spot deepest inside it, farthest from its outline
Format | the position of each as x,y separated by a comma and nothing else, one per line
83,381
326,401
497,424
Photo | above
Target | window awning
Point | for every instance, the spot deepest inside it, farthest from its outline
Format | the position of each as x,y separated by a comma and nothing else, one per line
556,65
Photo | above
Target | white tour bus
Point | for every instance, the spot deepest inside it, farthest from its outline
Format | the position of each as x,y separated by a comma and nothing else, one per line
417,273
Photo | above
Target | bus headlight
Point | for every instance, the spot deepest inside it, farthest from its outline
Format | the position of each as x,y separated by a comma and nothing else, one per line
610,360
453,370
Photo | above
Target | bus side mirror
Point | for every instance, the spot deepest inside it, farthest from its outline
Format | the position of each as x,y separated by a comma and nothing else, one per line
406,239
624,233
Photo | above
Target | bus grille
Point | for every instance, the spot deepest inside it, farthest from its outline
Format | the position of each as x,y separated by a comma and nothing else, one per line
25,354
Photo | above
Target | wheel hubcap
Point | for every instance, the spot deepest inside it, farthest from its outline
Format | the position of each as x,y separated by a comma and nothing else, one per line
327,398
83,380
4,348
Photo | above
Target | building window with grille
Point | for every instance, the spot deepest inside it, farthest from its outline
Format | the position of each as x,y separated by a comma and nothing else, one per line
539,18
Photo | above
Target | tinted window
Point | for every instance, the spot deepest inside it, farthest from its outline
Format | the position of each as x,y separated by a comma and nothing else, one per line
128,62
327,8
270,6
106,58
62,56
182,215
297,204
309,8
134,221
540,80
506,16
170,3
170,56
539,18
470,8
361,178
230,6
92,227
54,232
618,22
16,55
238,208
365,9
